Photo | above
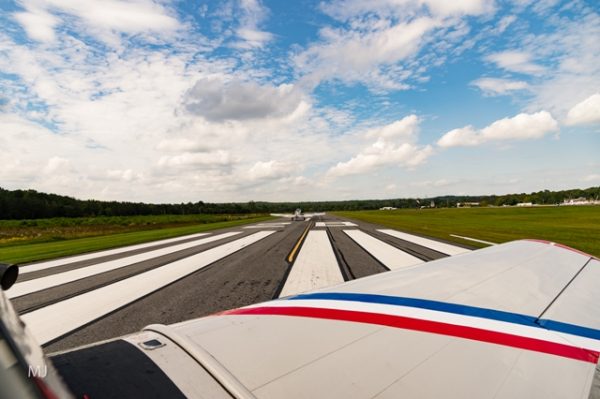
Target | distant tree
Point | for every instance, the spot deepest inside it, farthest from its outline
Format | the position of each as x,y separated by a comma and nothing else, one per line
30,204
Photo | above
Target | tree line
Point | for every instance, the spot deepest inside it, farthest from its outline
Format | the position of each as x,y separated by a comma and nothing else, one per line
31,204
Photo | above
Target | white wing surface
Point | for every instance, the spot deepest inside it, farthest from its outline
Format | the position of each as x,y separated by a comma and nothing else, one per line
518,320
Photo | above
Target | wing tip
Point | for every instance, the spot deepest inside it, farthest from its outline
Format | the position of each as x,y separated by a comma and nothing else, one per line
563,246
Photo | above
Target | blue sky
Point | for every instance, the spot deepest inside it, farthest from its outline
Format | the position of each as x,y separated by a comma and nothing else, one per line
169,101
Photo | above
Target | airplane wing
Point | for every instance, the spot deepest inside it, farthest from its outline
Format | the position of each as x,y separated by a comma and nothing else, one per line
518,320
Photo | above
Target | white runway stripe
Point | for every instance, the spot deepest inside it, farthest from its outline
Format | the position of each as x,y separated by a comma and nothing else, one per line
72,259
390,256
315,267
425,242
475,240
268,225
335,224
42,283
58,319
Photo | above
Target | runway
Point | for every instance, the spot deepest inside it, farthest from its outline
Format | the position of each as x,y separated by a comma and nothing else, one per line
87,298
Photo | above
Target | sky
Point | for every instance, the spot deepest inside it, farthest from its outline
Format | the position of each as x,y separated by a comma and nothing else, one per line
178,101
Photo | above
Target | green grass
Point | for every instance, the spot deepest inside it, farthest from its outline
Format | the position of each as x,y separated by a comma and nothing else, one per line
46,230
66,242
575,226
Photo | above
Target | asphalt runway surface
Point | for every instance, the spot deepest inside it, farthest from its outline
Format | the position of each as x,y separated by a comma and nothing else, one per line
84,299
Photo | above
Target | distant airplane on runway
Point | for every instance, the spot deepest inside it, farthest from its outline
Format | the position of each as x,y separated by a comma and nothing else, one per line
515,320
298,215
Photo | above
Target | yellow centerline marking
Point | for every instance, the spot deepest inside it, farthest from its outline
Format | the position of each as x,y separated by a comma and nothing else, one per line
293,253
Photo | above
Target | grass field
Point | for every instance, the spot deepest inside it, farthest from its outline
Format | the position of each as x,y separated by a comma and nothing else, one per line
575,226
33,240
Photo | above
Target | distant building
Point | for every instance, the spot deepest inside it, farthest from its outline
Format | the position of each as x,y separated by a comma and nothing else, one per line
431,205
525,204
466,204
580,201
388,208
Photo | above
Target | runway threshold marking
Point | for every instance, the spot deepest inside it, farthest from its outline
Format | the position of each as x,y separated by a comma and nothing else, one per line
65,261
58,319
390,256
316,266
447,249
292,254
42,283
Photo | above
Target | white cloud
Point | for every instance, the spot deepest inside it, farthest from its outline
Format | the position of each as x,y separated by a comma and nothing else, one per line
270,170
185,145
301,181
384,44
211,159
520,127
348,9
585,112
253,14
571,53
435,183
127,175
57,165
462,7
356,55
516,61
38,24
101,18
379,155
504,23
119,114
34,157
90,109
464,136
496,86
121,121
253,38
395,145
591,178
406,127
